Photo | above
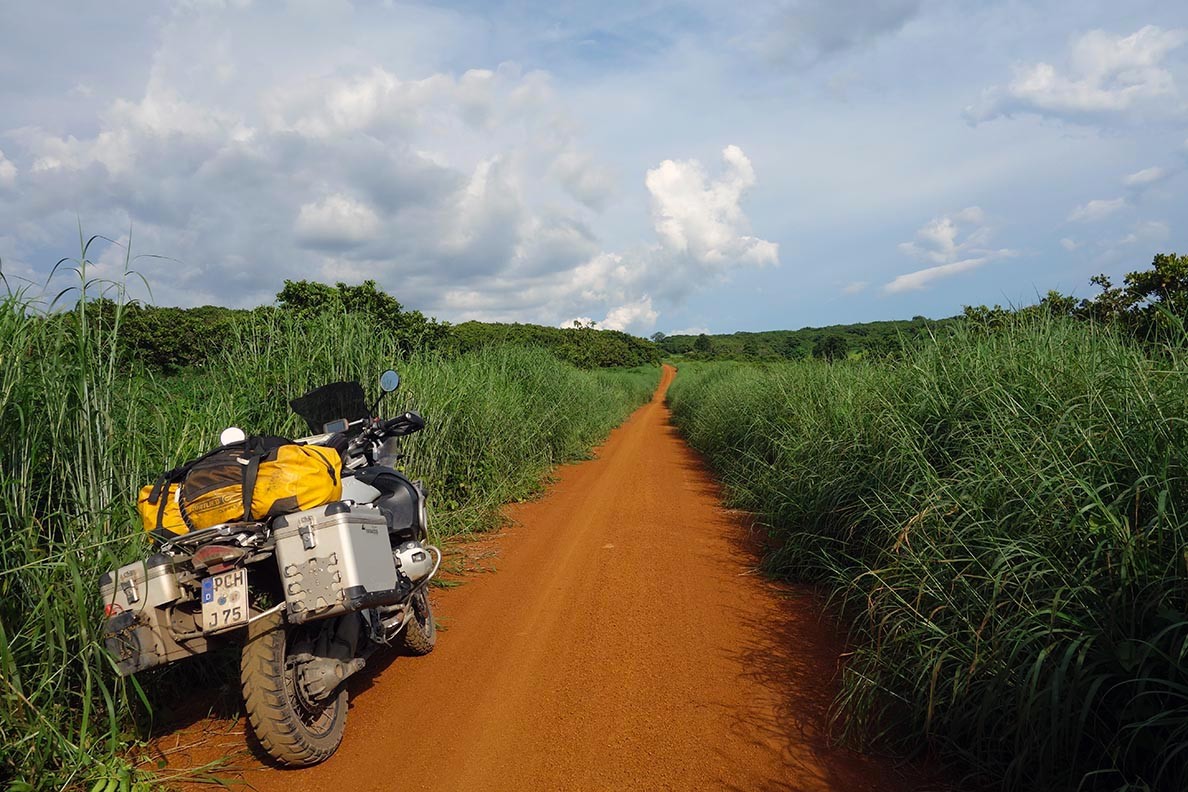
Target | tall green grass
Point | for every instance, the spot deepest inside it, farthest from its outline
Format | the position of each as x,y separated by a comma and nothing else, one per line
1003,522
81,432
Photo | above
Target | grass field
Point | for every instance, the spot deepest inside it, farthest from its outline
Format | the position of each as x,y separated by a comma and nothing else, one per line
1002,522
82,432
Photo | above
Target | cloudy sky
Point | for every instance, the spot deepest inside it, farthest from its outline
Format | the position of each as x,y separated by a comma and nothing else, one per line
648,165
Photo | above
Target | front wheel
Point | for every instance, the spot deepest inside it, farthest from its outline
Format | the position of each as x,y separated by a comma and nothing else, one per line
420,634
291,727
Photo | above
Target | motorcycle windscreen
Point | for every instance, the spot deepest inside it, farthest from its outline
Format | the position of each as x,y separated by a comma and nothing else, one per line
331,402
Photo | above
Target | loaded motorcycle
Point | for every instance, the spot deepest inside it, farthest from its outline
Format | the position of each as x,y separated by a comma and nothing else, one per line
311,554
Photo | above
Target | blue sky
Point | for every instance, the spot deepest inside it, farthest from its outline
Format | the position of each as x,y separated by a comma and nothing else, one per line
650,166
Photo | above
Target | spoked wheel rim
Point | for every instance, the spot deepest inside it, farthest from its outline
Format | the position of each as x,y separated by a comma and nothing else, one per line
422,613
319,717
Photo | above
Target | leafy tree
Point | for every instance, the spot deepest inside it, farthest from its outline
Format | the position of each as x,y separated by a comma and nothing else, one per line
657,337
875,337
310,298
411,329
792,349
582,346
703,346
164,338
1151,304
830,347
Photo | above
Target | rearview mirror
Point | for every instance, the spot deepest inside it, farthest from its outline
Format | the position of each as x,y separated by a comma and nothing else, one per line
389,381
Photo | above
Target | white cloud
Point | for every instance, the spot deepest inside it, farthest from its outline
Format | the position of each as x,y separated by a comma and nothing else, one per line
1147,232
914,281
428,186
855,287
8,171
703,218
1145,177
1070,244
1105,76
690,331
336,220
1097,209
637,315
134,131
702,238
953,243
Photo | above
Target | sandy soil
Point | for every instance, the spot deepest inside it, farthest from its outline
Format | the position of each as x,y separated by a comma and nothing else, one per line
622,641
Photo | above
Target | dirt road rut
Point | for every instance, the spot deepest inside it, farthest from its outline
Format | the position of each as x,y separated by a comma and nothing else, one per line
624,642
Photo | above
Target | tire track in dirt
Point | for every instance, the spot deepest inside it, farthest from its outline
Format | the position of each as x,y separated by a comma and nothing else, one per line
625,642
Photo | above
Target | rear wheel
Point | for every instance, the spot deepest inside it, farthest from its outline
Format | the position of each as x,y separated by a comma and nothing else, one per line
420,634
291,727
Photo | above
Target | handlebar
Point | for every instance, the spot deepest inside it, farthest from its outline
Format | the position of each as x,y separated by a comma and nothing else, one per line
403,425
373,429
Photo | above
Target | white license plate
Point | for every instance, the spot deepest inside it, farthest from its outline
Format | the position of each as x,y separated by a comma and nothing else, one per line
225,600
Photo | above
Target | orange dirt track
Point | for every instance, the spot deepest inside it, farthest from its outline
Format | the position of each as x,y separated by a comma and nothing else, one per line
625,642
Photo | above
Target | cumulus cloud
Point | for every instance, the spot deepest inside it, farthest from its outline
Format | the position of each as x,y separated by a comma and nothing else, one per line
412,183
468,194
1097,209
336,221
1070,244
1106,76
702,217
635,315
8,172
702,236
855,287
953,244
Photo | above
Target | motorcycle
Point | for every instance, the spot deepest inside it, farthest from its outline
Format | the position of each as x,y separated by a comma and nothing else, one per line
309,595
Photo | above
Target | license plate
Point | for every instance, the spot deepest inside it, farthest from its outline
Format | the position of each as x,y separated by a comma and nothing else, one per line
225,600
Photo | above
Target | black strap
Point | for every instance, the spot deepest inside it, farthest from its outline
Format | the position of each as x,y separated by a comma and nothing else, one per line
160,509
250,471
334,474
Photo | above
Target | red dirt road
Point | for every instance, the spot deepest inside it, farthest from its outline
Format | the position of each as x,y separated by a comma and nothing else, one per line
625,642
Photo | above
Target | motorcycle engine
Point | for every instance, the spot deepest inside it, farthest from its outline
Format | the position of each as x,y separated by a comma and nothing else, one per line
413,560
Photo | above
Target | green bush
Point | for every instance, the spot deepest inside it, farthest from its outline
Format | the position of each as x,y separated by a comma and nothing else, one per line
584,347
1003,522
83,430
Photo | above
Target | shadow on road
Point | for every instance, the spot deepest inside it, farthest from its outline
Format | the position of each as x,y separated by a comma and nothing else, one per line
794,652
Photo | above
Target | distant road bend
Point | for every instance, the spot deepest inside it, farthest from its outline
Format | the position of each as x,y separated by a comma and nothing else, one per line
624,642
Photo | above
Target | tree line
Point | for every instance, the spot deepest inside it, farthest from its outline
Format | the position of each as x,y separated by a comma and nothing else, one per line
169,340
1150,305
835,342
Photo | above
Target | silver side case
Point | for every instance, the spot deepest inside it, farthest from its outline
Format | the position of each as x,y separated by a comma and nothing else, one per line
138,600
336,559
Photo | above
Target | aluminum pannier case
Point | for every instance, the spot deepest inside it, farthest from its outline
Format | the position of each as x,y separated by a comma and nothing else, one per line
137,600
335,559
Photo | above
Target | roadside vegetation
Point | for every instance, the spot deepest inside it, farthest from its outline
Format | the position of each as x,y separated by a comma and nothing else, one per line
168,340
88,415
862,340
1000,515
